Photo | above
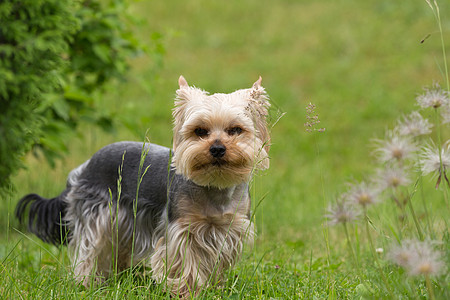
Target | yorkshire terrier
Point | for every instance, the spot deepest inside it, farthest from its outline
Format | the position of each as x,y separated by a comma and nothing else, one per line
186,211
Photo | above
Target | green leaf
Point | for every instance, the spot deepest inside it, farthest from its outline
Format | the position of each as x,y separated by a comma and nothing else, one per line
61,108
103,52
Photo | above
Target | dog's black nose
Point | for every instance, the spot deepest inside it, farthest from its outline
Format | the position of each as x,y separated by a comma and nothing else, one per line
217,150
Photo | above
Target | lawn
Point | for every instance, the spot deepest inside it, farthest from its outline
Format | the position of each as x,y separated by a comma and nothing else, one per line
361,63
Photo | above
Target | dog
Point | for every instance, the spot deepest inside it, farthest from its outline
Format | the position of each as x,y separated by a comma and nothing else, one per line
184,211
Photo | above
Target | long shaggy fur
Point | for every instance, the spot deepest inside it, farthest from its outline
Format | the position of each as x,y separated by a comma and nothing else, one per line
197,249
186,212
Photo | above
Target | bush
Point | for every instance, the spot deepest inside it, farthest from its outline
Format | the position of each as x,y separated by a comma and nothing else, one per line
54,56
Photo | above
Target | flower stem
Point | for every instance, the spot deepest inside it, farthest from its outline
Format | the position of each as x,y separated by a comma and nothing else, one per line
397,216
441,165
374,254
422,195
352,252
429,287
416,222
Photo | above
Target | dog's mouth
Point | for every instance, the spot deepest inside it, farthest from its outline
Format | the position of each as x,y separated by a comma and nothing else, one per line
218,162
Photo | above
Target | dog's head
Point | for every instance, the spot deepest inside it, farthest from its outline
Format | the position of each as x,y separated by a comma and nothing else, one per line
220,139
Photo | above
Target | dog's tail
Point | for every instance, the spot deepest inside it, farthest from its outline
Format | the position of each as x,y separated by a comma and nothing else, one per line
45,217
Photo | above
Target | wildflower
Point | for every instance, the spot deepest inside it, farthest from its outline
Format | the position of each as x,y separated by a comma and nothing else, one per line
363,194
379,250
395,148
341,213
392,177
434,97
431,161
417,258
312,119
414,125
402,254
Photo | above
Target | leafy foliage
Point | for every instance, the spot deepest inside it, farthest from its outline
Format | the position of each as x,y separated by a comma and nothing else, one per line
56,58
33,35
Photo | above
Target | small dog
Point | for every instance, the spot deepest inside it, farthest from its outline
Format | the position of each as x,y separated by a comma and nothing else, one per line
187,211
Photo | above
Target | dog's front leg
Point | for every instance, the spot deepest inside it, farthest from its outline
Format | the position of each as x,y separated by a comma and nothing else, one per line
177,260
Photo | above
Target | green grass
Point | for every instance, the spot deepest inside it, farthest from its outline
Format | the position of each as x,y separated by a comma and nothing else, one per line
360,62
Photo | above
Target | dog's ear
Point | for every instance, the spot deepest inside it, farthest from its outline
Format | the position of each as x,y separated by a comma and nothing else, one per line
186,93
258,94
182,82
259,107
257,83
258,102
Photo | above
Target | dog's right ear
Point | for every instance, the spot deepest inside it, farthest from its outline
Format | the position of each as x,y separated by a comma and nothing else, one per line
182,82
187,93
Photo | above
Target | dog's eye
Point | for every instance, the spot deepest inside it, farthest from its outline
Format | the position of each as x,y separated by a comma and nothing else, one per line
201,132
234,131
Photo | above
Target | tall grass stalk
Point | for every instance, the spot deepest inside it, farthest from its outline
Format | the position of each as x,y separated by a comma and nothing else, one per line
375,256
352,252
115,221
437,15
325,233
140,177
312,119
436,11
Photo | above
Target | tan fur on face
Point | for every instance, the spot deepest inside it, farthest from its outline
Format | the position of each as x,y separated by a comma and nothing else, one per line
196,162
217,113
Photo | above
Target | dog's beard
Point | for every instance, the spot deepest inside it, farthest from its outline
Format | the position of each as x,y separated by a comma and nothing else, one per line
195,162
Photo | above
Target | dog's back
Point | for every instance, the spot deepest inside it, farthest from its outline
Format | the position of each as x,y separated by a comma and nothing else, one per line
112,173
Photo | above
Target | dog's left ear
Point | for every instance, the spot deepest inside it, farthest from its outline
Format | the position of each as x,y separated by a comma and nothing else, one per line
259,100
258,95
257,83
259,108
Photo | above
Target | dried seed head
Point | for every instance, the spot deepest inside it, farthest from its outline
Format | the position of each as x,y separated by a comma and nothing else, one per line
394,148
430,160
392,177
417,257
413,125
434,97
363,194
342,212
312,119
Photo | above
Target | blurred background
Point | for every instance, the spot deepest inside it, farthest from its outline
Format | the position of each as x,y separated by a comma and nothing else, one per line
361,63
